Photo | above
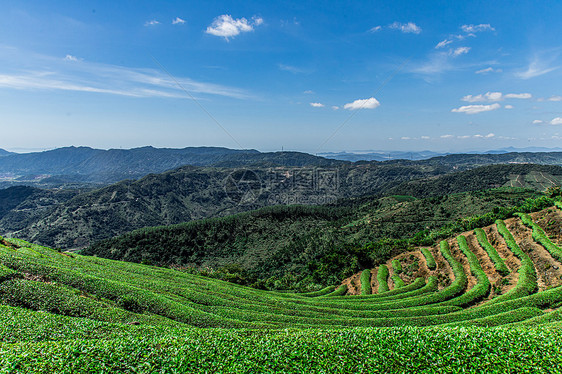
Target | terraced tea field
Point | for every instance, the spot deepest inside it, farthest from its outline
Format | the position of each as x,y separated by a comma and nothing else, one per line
486,300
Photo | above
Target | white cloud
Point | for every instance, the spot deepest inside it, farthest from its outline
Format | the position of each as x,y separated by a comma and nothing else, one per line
555,98
463,136
407,28
519,96
474,109
405,138
556,121
488,96
443,44
508,106
317,105
536,68
227,27
151,23
495,96
70,58
178,21
448,136
460,51
375,29
490,135
370,103
424,137
335,107
308,92
537,122
488,70
477,28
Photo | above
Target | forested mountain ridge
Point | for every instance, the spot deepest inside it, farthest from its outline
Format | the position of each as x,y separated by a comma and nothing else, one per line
192,193
83,166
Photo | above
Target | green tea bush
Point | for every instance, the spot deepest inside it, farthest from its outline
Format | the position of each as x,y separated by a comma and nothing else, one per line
499,263
540,237
398,282
382,278
366,282
396,266
429,258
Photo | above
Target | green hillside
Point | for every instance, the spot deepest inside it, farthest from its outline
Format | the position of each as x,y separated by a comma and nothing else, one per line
455,311
77,220
299,247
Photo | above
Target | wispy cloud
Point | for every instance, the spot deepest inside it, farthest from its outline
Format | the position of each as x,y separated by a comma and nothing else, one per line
488,70
178,21
227,27
443,44
438,62
460,51
536,68
490,135
518,96
151,23
370,103
475,109
477,28
555,98
407,28
57,74
555,122
317,105
291,69
70,58
495,96
375,29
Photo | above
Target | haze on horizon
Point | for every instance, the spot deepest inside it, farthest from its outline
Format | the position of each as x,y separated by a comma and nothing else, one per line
298,76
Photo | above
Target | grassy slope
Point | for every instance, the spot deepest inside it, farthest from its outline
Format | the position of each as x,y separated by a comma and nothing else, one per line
138,318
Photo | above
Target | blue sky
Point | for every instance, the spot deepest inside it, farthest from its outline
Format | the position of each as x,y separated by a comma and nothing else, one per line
307,76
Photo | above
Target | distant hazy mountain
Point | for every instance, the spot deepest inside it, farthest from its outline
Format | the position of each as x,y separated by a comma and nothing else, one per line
380,155
88,165
3,152
419,155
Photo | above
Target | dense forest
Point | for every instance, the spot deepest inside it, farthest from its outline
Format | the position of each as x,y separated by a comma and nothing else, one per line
304,248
